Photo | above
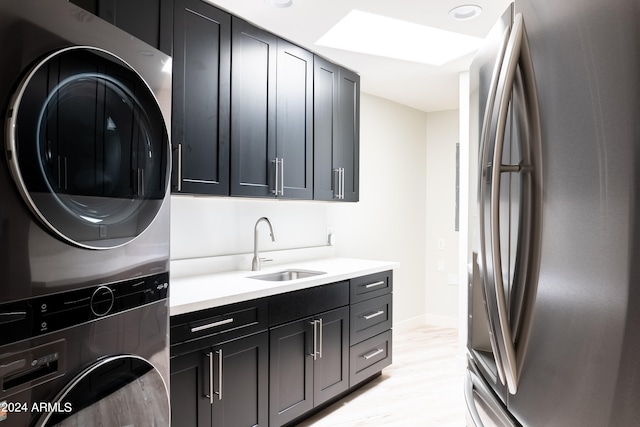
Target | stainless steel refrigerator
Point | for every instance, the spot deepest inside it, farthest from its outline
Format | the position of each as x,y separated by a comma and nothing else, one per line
554,259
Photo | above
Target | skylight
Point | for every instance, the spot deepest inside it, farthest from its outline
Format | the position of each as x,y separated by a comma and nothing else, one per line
378,35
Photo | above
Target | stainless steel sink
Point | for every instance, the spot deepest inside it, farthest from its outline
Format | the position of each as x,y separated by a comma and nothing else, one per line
286,275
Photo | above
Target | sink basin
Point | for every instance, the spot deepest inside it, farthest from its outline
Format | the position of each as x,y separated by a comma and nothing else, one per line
286,275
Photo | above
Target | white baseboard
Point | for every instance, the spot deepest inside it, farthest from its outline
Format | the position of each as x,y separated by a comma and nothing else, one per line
407,324
426,319
442,321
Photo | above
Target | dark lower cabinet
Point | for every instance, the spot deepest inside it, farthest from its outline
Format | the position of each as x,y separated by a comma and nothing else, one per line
225,385
189,405
308,364
272,361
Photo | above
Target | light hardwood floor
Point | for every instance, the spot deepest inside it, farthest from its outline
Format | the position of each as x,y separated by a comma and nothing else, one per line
422,387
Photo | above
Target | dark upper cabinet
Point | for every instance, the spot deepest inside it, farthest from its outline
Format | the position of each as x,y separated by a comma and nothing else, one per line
336,132
148,20
271,116
201,93
294,120
253,110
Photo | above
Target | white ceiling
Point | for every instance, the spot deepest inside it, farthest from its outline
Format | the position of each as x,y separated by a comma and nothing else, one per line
423,87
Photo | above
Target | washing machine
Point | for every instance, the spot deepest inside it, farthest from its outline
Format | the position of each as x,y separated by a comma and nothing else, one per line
84,220
95,356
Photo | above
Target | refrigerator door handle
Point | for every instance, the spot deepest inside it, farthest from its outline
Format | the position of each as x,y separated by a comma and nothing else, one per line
474,386
518,54
485,169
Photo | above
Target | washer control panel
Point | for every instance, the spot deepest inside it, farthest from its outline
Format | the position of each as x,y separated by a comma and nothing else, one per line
40,315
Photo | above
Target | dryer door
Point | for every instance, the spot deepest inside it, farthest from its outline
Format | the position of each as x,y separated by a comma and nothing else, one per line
88,148
123,390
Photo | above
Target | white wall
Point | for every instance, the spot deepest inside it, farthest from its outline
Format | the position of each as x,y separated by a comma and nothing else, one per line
441,267
389,221
407,202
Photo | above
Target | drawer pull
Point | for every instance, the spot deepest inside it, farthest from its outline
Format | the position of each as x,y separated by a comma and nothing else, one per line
373,285
212,325
372,315
373,354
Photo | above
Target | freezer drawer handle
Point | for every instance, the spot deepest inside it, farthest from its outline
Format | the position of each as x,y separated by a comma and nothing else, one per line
373,285
376,352
212,325
372,315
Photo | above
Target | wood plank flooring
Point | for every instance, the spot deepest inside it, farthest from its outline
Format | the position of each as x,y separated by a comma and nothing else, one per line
422,387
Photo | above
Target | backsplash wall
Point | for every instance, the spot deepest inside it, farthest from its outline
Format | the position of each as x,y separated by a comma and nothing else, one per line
215,226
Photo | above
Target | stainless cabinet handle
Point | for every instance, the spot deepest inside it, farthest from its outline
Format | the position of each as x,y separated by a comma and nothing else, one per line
336,183
315,341
220,370
341,197
212,325
372,315
180,166
373,285
210,395
374,353
278,188
276,176
281,178
320,340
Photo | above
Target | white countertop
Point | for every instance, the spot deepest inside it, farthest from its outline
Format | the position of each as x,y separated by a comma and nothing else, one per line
199,292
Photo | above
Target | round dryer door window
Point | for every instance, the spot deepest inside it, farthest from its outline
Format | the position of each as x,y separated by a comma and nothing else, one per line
88,148
121,390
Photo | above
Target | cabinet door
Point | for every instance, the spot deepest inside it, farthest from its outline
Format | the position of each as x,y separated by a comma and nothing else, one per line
347,154
141,18
290,371
190,407
241,382
325,125
253,110
336,132
331,367
201,90
294,120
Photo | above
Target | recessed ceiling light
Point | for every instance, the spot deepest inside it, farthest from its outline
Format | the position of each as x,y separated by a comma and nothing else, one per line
279,3
392,38
465,12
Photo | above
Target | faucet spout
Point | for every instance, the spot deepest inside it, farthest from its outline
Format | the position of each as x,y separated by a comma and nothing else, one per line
255,263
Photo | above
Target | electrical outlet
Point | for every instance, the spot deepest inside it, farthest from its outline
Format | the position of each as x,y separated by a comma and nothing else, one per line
440,244
440,265
330,236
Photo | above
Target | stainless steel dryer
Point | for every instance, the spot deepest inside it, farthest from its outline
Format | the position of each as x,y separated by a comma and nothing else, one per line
84,179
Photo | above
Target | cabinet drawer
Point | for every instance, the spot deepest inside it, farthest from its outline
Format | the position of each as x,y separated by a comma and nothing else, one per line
371,317
369,357
371,286
295,305
200,329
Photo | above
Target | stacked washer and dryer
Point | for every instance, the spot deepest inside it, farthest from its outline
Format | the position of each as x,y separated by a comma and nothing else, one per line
84,221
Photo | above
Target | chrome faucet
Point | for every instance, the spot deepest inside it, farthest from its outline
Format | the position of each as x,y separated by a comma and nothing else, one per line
255,264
